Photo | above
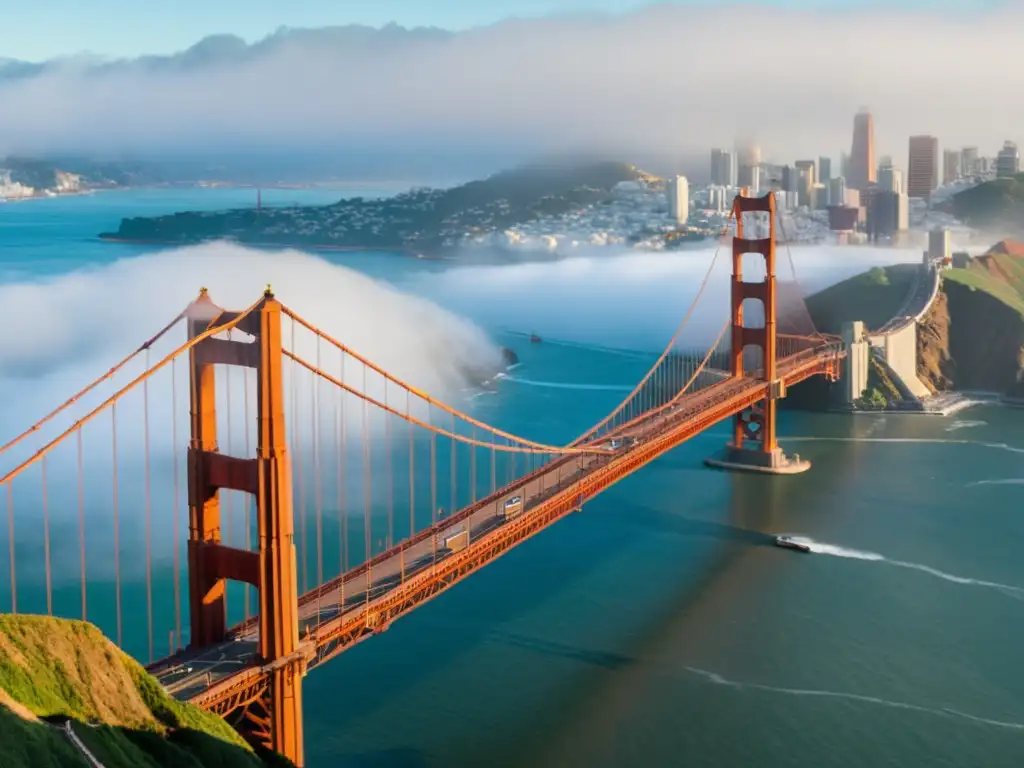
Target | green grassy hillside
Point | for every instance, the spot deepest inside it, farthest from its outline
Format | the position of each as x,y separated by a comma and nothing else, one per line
874,297
1000,275
55,670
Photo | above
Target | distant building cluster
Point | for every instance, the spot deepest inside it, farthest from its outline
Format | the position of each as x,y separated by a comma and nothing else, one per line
870,198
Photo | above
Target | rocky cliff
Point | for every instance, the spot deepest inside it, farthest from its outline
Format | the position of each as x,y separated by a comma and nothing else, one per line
970,339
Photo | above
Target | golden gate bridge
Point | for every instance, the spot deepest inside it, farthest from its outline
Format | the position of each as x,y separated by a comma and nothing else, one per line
397,496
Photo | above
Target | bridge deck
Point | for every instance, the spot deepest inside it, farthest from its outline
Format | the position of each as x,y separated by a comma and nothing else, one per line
350,608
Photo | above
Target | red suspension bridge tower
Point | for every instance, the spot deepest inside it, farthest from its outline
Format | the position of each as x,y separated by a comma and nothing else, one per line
754,445
274,718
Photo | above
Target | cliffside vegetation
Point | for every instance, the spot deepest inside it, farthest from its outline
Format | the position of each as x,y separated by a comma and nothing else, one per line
53,671
881,391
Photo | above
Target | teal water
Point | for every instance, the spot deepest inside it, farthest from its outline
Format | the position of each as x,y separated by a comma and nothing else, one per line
655,628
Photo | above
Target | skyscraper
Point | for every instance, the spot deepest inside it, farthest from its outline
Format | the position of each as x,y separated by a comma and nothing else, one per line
951,165
923,166
862,152
678,190
722,168
824,169
807,165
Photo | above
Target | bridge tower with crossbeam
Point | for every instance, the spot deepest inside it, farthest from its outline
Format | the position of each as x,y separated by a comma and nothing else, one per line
273,719
754,446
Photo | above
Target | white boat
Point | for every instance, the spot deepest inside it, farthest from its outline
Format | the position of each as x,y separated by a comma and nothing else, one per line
791,542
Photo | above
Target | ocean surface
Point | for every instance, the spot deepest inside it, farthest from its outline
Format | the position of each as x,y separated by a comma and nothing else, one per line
658,627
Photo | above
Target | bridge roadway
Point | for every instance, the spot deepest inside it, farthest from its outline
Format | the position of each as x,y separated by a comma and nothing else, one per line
353,598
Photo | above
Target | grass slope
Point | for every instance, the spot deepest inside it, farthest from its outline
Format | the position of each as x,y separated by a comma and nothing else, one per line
874,297
52,670
999,275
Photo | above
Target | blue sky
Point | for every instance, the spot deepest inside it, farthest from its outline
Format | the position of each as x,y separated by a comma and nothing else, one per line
41,29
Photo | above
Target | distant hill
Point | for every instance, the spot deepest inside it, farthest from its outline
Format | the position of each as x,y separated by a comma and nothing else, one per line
997,204
422,220
56,671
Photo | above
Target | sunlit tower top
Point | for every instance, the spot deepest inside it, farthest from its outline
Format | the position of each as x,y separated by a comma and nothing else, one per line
862,152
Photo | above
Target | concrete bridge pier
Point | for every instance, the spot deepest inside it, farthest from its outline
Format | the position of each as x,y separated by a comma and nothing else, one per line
854,375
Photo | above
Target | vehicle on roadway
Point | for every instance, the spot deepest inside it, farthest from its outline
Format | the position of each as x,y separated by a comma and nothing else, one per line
791,542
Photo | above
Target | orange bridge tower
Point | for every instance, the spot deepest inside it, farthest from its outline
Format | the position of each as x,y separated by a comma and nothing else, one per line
272,717
754,445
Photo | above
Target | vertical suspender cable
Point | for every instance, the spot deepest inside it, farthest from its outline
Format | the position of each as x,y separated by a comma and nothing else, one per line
412,480
177,501
149,510
227,494
452,498
343,473
472,469
246,509
433,485
297,458
10,542
46,544
390,478
317,490
81,518
367,490
114,505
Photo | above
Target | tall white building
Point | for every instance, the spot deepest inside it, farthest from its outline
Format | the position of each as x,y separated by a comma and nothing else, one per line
678,191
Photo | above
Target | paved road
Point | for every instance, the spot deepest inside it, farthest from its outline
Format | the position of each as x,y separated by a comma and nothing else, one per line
195,673
919,297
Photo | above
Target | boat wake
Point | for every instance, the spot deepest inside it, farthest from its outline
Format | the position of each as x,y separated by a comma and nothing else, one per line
570,385
924,440
958,425
998,481
948,712
821,548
